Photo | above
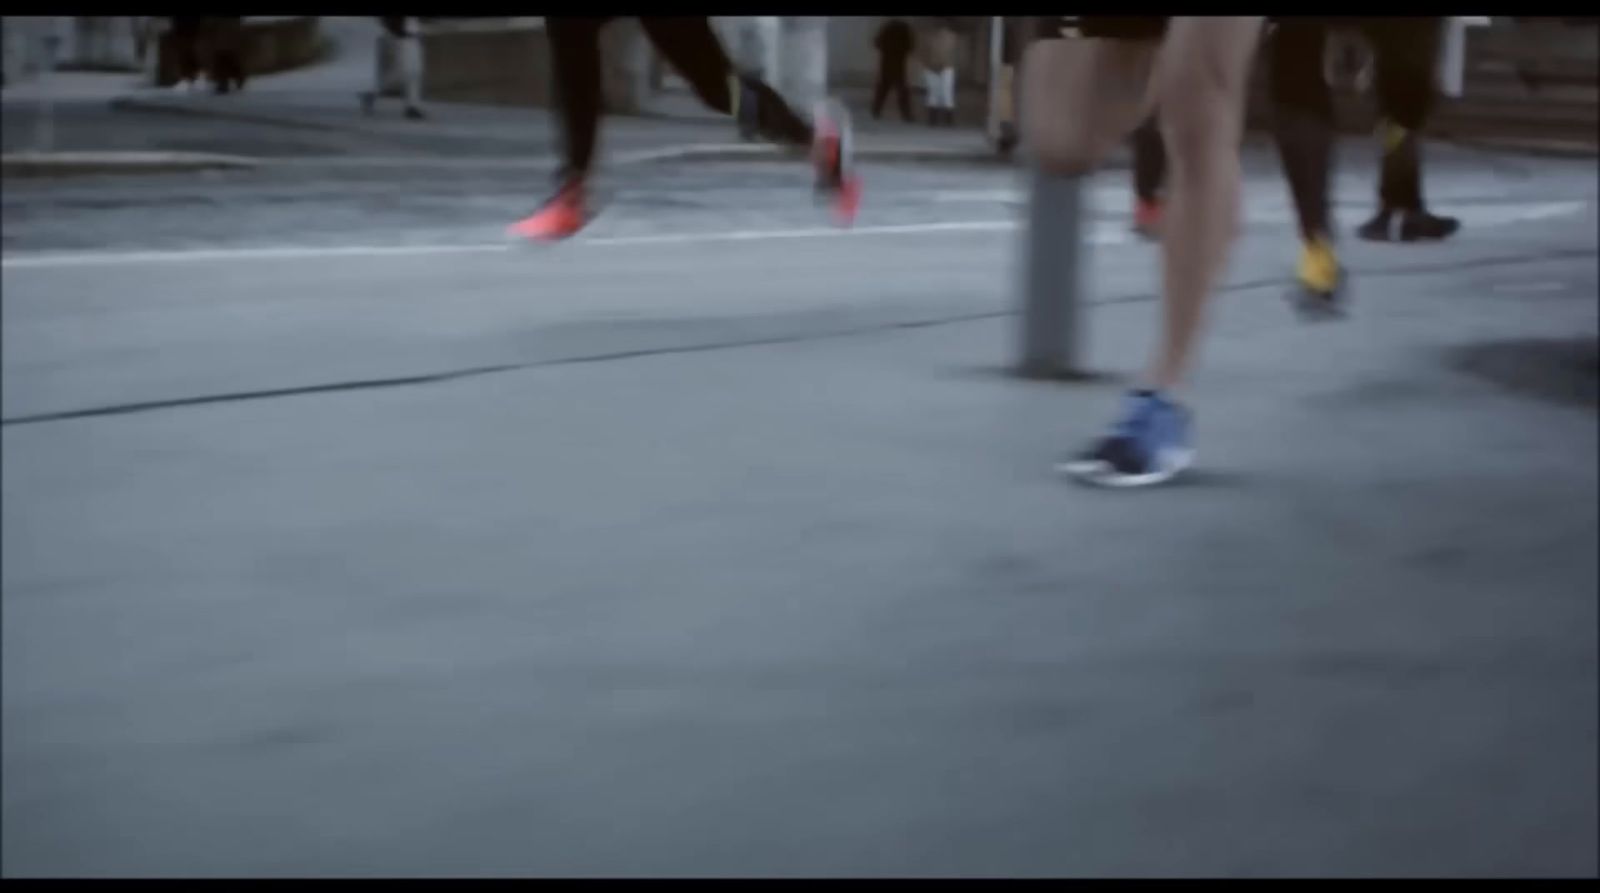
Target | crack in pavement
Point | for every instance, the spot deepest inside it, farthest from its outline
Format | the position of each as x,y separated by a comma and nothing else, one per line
473,372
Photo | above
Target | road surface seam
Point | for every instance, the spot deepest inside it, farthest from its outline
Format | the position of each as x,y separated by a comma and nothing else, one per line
473,372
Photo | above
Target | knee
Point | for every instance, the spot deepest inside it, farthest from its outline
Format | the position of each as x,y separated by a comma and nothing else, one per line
1200,114
1199,125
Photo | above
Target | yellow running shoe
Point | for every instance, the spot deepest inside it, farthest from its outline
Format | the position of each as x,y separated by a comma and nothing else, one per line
1319,281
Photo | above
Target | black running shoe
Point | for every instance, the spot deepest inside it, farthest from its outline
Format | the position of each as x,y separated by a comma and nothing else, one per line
1420,226
1408,226
1379,228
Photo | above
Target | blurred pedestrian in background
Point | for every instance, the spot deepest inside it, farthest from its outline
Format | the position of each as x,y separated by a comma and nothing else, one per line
224,40
146,29
399,57
184,37
895,43
939,73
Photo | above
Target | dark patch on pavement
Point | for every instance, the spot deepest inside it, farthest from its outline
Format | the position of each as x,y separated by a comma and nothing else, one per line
1360,395
1559,371
1383,393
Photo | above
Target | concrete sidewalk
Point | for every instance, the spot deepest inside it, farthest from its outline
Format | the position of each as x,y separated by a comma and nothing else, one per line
330,117
678,122
322,100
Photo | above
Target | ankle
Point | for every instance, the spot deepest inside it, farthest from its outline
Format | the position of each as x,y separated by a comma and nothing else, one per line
1319,246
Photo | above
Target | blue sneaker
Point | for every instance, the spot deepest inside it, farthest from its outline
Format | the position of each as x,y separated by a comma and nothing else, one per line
1148,445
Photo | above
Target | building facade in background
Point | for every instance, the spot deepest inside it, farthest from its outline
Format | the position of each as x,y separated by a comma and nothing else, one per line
83,43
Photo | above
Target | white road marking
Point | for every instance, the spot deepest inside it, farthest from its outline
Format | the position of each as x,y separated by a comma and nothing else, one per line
417,161
804,233
1103,232
1108,235
113,258
640,156
1502,214
1005,196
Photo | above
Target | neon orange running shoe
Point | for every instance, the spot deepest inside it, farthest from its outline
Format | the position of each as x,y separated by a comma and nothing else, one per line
561,217
1147,218
832,152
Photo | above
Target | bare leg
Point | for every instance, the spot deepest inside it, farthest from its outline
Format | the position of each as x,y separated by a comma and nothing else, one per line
1081,96
1200,81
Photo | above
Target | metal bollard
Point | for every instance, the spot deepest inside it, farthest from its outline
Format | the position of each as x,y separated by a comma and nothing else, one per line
1054,254
1054,248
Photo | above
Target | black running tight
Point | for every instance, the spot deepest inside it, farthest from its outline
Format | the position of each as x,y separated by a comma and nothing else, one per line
1406,53
1149,161
689,44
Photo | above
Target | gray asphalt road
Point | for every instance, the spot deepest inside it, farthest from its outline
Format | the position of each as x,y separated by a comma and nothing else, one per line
721,546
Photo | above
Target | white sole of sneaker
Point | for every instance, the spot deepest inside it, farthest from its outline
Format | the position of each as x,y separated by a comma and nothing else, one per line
1100,474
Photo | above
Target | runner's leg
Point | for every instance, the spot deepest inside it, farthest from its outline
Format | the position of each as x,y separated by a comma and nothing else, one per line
575,60
692,47
575,55
1199,84
1406,51
1303,118
880,89
1149,174
1303,126
1201,81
